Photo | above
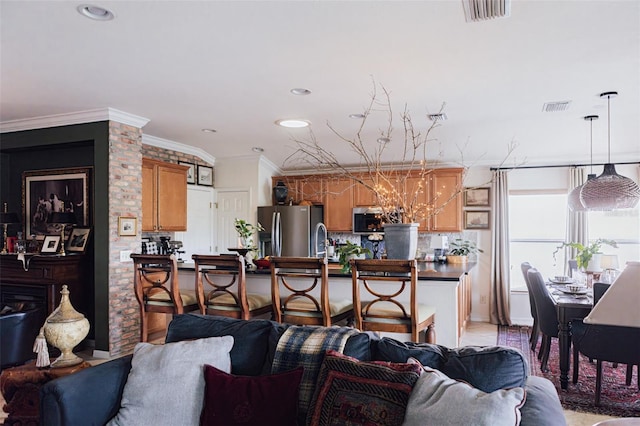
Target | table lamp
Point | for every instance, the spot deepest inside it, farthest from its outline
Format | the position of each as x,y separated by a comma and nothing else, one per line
609,265
64,218
6,219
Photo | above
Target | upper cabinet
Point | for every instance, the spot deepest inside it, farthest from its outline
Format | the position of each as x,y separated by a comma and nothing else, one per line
438,190
164,196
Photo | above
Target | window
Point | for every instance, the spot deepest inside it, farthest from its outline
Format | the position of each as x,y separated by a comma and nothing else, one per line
537,225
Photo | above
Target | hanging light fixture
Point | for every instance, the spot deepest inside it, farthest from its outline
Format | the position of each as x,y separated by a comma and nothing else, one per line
609,191
574,196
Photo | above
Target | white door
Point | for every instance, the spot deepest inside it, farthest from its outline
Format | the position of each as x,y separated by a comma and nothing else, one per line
231,205
200,235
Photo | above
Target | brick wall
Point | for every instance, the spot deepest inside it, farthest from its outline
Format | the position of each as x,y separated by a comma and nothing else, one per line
125,199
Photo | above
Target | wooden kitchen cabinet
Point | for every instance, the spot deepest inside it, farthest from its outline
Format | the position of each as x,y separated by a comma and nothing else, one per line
164,196
444,184
338,205
420,186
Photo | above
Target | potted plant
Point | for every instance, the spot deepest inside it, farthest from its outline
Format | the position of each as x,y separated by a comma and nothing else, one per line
585,254
245,232
459,250
349,251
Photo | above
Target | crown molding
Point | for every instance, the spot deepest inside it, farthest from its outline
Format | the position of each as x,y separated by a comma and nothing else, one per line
177,146
81,117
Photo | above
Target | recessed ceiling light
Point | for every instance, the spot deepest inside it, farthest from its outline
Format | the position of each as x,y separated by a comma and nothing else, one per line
292,123
356,116
384,140
300,91
95,12
257,149
209,130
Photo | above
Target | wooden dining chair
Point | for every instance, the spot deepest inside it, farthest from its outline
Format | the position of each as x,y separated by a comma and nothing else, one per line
300,293
221,288
535,329
385,298
157,288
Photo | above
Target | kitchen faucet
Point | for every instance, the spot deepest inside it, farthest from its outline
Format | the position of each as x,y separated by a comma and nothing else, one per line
319,226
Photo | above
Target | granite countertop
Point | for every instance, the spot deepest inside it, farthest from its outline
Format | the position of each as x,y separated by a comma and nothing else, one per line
428,271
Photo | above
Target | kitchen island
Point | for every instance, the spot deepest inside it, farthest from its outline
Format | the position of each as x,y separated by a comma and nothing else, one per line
447,287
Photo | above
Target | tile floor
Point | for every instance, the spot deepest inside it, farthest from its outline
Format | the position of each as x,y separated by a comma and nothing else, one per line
477,333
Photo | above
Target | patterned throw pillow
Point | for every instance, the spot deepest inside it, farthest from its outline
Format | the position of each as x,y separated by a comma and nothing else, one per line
439,400
352,392
250,400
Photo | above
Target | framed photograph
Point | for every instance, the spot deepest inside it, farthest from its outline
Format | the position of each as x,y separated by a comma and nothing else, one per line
78,239
55,190
476,219
51,244
191,173
477,197
205,175
127,226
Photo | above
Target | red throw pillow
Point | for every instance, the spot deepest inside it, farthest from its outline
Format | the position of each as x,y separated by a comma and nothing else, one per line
352,392
248,400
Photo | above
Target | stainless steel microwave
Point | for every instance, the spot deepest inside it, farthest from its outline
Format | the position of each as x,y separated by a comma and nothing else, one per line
366,220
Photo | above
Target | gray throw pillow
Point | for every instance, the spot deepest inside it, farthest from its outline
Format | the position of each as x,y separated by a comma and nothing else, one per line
439,400
166,382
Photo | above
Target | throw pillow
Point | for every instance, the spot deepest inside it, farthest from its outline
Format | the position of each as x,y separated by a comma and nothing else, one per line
166,384
245,400
361,393
439,400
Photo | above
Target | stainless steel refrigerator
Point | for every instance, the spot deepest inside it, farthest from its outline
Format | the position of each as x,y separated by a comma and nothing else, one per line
290,230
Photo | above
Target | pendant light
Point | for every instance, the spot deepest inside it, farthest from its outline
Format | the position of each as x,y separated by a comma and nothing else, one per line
574,196
609,191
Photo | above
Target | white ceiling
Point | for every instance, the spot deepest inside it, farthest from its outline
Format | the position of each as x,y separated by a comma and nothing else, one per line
229,65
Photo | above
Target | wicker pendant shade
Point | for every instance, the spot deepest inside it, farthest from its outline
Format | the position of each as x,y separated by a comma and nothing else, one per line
609,191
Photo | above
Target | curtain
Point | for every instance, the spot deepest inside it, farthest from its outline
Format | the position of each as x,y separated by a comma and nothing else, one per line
500,262
577,223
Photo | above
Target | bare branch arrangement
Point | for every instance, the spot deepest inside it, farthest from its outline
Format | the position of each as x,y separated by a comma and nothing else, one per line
399,186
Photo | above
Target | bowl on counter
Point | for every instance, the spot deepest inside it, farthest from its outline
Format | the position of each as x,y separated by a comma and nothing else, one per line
574,288
562,278
262,263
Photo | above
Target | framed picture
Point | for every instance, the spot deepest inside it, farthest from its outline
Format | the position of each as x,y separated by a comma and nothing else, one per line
476,219
51,244
127,226
476,197
78,239
48,191
191,173
205,175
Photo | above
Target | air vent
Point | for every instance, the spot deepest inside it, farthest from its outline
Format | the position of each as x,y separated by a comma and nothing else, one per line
482,10
556,106
437,117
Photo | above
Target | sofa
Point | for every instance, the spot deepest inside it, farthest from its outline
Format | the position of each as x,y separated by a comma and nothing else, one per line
93,396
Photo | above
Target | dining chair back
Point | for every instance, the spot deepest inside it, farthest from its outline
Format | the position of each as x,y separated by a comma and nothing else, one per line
533,339
221,288
546,313
157,288
300,292
385,298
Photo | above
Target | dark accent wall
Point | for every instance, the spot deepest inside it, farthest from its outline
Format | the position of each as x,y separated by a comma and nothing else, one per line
80,145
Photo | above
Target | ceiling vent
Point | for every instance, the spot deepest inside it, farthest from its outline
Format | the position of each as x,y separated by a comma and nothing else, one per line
482,10
556,106
437,117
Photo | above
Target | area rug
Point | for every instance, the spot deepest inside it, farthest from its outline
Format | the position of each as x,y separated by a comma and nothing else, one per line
616,399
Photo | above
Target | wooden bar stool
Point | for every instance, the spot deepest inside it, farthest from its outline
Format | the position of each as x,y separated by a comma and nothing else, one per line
157,288
377,307
221,273
293,281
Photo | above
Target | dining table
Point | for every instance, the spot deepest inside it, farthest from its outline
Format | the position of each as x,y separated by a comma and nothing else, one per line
569,306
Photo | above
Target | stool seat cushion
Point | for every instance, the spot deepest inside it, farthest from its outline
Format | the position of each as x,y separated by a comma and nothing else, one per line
225,301
336,307
387,309
162,298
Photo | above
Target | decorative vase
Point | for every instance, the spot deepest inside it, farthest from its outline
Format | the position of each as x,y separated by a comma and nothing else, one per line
594,263
280,192
457,259
401,240
65,329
